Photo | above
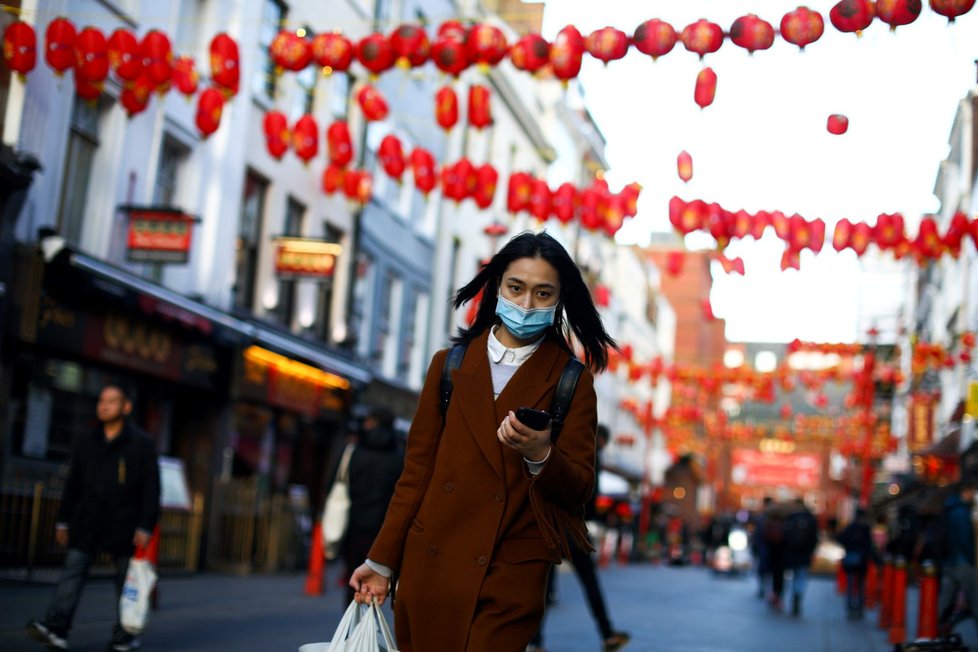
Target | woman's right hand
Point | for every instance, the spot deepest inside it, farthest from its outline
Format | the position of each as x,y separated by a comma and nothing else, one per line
369,584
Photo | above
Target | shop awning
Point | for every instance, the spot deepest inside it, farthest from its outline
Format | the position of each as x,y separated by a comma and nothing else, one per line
161,301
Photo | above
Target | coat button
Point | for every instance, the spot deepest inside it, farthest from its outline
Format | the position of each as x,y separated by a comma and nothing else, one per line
499,496
449,486
433,551
483,561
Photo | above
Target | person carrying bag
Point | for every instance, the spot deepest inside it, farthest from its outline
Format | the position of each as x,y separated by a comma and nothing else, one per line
336,511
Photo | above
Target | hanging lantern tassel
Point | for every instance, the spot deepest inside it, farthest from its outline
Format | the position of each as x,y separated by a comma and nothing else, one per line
210,106
951,9
480,113
20,48
706,87
684,166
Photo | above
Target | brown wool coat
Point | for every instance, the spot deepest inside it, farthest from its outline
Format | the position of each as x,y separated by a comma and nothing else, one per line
469,553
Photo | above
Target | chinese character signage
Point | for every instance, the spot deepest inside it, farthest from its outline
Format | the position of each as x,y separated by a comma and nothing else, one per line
158,235
752,468
920,430
305,258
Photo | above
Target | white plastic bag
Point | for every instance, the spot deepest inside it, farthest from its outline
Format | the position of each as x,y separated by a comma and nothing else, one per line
134,601
336,513
362,629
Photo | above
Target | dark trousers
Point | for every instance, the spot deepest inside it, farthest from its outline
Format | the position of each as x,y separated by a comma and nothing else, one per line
584,566
856,589
61,611
777,571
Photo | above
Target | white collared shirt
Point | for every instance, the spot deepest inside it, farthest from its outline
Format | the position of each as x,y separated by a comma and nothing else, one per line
504,361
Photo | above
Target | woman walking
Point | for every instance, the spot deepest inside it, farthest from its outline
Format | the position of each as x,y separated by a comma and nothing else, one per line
485,503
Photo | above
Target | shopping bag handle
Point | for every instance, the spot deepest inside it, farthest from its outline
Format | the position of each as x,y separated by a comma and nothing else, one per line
385,629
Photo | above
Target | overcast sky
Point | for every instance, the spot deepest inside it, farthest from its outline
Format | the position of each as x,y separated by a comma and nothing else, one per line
763,144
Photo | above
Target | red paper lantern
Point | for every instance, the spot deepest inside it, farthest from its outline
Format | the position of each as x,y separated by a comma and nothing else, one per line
452,30
614,215
332,52
423,170
799,234
276,128
487,179
563,203
630,194
951,9
480,111
157,56
290,51
752,33
684,166
333,178
790,259
372,103
135,97
305,138
339,145
374,53
20,47
225,64
59,45
889,231
518,192
928,242
391,155
780,223
802,26
816,235
838,124
567,53
210,106
591,200
761,220
485,45
852,15
185,76
87,90
410,45
530,53
842,236
91,56
540,200
898,12
735,266
124,55
706,87
655,38
607,44
358,186
702,37
453,180
449,56
446,107
862,235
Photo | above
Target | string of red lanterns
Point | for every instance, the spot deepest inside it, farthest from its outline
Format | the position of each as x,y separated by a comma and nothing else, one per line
798,234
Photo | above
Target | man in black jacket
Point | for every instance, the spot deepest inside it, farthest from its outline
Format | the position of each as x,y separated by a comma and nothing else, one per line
375,467
111,502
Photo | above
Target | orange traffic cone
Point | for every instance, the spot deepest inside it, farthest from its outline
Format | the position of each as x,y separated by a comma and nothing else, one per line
898,611
927,612
314,580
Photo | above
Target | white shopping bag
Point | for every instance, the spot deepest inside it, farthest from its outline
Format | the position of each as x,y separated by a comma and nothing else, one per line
134,601
362,629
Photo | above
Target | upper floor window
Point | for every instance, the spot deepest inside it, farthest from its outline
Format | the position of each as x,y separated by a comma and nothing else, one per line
295,213
83,143
272,20
249,232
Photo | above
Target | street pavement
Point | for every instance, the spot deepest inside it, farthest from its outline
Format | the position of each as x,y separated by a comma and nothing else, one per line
683,609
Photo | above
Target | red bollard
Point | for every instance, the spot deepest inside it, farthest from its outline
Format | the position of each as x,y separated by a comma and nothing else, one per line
886,602
872,585
898,616
927,612
841,580
314,580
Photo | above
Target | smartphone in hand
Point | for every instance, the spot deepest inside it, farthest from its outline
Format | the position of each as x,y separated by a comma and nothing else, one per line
535,419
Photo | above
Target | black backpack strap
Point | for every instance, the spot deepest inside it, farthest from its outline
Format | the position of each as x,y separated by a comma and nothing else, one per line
452,362
562,397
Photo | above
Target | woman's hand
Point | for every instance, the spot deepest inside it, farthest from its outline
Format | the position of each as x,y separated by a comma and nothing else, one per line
369,584
533,445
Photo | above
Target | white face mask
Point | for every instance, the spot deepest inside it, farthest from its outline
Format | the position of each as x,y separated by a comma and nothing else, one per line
523,323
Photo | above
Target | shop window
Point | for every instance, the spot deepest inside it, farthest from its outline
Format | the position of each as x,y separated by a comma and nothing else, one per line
389,324
272,20
83,143
324,311
295,213
249,232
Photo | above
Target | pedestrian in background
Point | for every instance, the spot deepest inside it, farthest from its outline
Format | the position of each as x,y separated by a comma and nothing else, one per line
486,504
375,465
111,502
958,558
774,518
800,541
761,551
857,540
587,574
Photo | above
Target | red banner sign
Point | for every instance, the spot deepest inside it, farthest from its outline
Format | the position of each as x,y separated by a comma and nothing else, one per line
920,430
751,468
305,258
159,235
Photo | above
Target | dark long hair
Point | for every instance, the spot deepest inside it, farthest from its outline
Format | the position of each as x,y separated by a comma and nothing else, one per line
575,298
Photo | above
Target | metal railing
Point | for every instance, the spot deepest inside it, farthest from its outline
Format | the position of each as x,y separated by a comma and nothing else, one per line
28,549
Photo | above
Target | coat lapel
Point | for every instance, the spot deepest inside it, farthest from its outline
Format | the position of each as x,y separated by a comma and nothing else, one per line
529,385
472,385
